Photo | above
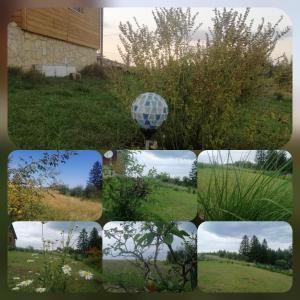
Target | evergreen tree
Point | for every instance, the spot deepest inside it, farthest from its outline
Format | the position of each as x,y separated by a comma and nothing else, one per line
260,158
245,246
95,176
193,174
95,239
255,249
83,241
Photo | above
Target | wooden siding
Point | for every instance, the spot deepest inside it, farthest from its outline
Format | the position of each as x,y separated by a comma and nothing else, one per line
63,23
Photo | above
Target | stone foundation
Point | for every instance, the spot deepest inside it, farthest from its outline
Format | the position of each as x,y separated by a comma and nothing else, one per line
26,49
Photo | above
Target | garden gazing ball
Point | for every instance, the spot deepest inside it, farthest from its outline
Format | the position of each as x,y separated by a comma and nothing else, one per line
149,110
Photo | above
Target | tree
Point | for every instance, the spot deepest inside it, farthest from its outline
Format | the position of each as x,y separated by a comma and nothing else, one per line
83,241
95,176
255,248
95,240
245,247
142,244
202,82
193,174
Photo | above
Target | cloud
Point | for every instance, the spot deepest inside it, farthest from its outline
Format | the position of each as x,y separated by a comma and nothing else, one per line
108,242
175,163
214,236
29,234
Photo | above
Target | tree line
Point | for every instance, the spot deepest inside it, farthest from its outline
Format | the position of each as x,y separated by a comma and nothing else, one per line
252,250
91,190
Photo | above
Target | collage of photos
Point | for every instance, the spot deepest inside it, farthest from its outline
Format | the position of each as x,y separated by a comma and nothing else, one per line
181,181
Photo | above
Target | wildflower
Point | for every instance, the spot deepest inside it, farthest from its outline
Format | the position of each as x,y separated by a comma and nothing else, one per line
29,271
15,288
16,278
40,290
86,275
66,270
30,260
25,283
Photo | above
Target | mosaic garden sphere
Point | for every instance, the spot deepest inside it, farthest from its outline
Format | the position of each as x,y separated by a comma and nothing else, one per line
149,110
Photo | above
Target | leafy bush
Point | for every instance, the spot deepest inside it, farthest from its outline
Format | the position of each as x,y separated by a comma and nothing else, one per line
123,196
202,84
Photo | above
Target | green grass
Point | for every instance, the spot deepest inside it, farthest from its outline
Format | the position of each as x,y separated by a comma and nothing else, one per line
121,276
61,113
170,202
19,267
227,193
230,277
263,124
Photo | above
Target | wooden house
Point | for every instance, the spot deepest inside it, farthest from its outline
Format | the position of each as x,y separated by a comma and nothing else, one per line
55,36
12,237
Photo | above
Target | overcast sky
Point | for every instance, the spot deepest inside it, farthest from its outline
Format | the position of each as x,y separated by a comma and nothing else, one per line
72,173
113,16
214,236
228,156
176,162
107,242
30,233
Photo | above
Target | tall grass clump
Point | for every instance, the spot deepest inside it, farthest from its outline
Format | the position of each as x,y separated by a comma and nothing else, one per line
235,192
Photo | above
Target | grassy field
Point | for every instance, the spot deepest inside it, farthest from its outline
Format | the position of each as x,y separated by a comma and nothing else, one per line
58,113
19,267
65,114
236,193
170,202
62,207
227,276
121,276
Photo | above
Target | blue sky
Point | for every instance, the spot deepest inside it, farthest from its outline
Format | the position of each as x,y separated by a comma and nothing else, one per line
73,173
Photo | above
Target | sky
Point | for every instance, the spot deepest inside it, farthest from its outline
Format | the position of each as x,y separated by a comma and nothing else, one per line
228,156
224,156
73,173
214,236
114,15
177,163
30,233
187,226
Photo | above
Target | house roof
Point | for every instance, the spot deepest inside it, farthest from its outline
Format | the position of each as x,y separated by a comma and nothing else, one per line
12,230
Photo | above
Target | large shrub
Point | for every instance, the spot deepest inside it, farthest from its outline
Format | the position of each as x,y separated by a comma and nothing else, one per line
203,81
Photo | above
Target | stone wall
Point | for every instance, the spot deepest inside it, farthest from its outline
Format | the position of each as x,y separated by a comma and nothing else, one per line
26,49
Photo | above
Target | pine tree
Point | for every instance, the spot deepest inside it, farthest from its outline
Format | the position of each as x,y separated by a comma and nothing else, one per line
255,249
193,174
264,252
245,246
83,241
95,176
95,240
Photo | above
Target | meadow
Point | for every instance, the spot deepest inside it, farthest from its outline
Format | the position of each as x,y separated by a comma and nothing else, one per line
220,275
29,265
124,276
65,207
170,202
59,113
232,193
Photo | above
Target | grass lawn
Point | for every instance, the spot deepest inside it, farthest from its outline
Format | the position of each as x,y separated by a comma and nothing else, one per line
58,113
119,275
62,207
229,277
170,202
236,193
19,267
